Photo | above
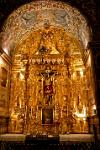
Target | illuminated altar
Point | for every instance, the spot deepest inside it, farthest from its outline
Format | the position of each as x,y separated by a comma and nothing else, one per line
49,92
52,89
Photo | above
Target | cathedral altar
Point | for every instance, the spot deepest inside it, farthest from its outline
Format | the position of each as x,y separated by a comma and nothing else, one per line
51,86
49,92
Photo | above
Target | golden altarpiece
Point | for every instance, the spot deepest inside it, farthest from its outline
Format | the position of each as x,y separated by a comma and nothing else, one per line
50,87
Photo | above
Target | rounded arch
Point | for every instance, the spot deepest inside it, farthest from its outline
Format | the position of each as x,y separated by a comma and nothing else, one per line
40,14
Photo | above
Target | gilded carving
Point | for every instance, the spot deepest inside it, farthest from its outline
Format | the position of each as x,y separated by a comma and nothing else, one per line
33,15
48,73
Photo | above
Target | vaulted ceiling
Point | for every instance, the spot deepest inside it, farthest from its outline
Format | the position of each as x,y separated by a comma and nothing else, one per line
88,8
45,14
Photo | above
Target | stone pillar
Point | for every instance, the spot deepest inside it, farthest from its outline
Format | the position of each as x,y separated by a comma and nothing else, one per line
95,49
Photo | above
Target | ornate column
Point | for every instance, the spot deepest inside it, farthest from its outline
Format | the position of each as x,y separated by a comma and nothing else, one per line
26,94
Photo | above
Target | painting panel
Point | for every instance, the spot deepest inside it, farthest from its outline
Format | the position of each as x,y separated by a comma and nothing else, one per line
47,116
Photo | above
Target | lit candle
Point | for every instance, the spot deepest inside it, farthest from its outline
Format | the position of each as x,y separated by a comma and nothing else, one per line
20,104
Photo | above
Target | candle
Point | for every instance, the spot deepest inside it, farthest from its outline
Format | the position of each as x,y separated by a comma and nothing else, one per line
20,104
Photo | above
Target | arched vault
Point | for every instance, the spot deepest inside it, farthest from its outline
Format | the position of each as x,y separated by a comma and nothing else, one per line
41,16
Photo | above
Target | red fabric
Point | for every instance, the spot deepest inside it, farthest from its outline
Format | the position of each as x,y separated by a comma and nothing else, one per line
48,89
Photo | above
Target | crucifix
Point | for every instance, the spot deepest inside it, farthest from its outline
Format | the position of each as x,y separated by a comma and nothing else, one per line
47,85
